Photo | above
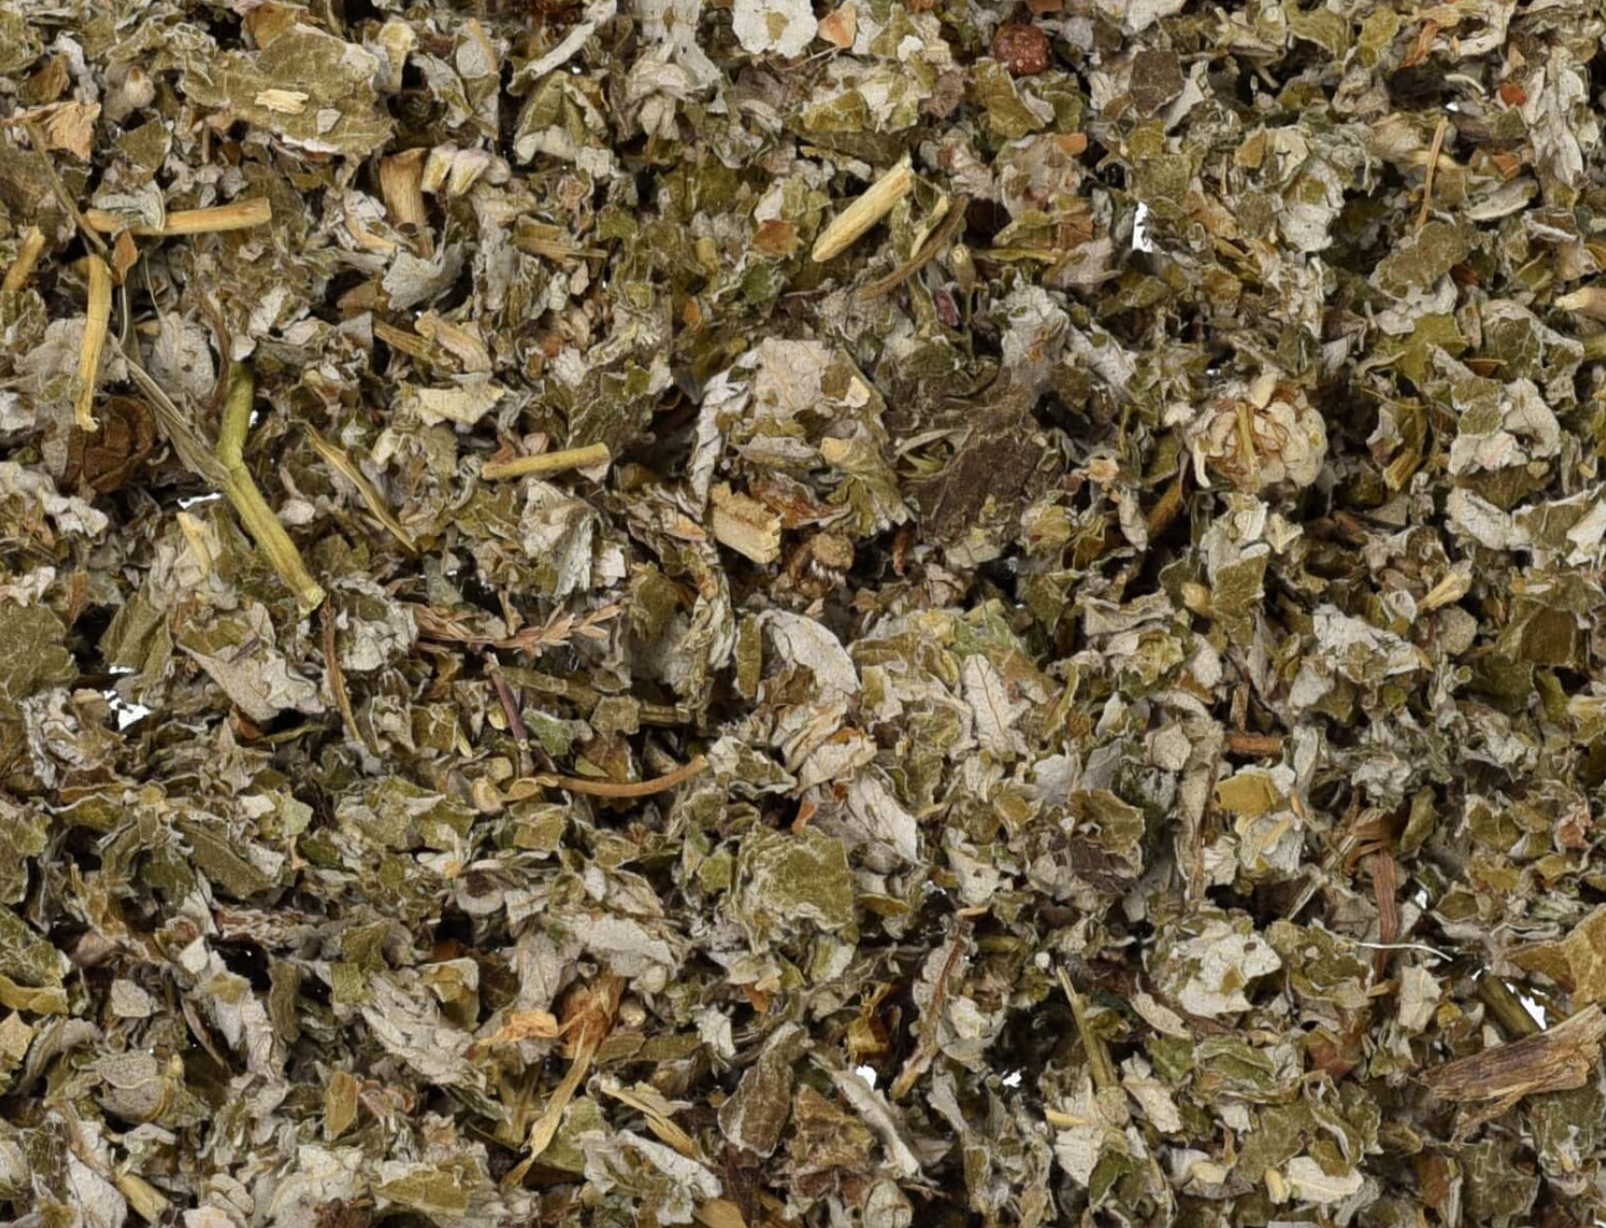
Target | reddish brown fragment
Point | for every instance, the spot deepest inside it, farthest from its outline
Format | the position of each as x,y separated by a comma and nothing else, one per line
1421,45
105,459
1385,885
1022,49
1258,745
1572,829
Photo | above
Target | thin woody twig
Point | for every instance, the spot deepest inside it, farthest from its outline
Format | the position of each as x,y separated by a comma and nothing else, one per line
336,676
95,242
510,710
241,489
1098,1057
1433,167
939,239
851,224
547,462
610,788
1491,1082
931,1017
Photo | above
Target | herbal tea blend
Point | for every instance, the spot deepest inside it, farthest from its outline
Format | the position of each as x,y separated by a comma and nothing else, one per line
773,614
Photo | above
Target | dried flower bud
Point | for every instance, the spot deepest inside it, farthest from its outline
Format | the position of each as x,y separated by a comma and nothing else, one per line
1260,435
1021,48
820,563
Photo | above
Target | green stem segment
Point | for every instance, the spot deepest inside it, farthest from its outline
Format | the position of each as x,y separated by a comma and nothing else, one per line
1098,1057
241,489
1507,1009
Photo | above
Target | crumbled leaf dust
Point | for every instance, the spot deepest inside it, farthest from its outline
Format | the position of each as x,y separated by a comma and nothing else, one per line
777,614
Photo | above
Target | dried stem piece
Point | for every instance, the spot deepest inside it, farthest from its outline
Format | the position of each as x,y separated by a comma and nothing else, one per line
850,225
59,189
1433,166
656,1111
95,329
638,788
1557,1060
408,342
940,238
547,462
236,215
555,248
241,489
1586,301
28,253
744,524
341,460
149,1203
1098,1057
336,676
931,1017
587,1023
186,440
1506,1007
1166,507
1452,588
401,182
1259,745
1385,876
510,710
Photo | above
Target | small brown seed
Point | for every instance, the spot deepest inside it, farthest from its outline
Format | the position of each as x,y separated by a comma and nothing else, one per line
1021,48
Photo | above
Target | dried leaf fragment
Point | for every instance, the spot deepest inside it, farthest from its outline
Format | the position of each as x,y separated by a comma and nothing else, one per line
720,1213
517,1026
1021,48
1577,962
839,26
774,27
588,1019
401,179
64,125
340,460
340,1103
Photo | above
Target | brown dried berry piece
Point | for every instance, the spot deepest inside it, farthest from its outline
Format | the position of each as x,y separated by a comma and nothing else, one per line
1021,48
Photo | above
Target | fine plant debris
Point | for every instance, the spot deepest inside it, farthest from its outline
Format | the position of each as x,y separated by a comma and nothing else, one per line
802,613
